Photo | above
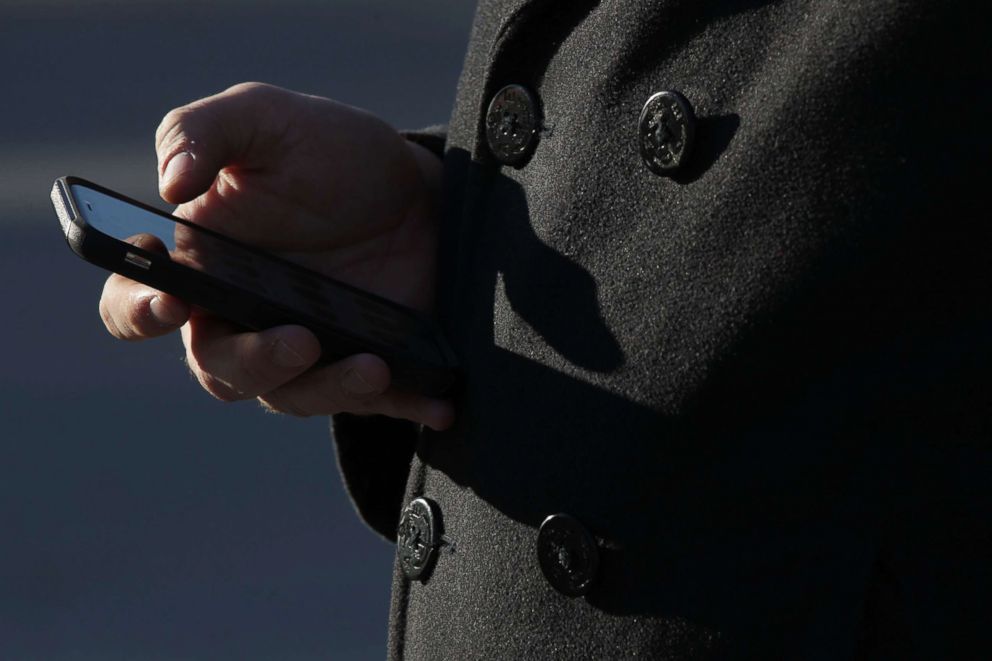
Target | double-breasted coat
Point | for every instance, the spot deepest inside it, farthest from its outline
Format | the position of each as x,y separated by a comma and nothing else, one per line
735,339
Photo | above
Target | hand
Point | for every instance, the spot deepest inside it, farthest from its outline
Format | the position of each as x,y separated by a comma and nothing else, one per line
325,185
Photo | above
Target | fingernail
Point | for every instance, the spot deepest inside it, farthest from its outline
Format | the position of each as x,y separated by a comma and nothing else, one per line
286,356
163,313
354,384
177,165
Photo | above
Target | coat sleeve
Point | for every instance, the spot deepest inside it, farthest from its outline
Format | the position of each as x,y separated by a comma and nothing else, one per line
432,138
374,452
374,455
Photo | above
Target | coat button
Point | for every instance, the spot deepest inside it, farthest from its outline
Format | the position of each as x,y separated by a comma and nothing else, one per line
568,555
666,128
418,537
512,122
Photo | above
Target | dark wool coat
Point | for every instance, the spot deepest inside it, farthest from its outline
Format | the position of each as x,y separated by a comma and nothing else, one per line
760,384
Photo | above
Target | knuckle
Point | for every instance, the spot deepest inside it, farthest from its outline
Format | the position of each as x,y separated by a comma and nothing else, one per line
217,388
126,317
136,315
252,370
249,88
170,129
214,386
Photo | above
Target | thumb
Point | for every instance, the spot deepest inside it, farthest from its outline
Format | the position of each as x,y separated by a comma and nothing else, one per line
194,142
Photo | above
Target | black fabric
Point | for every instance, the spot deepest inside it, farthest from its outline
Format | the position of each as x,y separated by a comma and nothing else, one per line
374,454
431,138
762,383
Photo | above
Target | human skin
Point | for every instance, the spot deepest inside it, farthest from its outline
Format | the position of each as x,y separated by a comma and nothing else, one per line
323,184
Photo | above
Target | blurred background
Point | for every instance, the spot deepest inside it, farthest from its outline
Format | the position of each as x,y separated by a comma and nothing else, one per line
139,518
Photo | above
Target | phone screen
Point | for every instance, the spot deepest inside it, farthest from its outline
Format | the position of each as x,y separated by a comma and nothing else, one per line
284,284
186,245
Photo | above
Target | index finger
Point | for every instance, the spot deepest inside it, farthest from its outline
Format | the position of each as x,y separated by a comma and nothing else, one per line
133,311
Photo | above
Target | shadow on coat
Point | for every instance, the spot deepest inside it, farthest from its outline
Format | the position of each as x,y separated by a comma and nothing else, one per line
773,482
713,135
670,505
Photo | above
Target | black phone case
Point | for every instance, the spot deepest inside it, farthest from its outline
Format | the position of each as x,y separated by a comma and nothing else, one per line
419,358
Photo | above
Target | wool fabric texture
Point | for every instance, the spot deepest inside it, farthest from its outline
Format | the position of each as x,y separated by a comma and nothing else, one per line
761,383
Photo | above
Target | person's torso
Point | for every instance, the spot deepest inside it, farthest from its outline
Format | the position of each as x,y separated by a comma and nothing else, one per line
707,369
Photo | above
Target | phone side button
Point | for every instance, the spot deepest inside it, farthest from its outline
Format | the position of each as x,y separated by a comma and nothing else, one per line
138,260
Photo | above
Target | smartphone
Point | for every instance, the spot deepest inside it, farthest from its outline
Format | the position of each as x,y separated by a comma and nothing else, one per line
250,287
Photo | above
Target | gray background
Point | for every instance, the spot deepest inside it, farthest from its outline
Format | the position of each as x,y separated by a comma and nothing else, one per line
139,518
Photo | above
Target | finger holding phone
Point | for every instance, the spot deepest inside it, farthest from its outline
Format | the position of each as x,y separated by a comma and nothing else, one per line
325,185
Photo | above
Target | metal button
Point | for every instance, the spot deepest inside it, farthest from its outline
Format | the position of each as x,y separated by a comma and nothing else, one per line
568,555
666,128
418,537
512,123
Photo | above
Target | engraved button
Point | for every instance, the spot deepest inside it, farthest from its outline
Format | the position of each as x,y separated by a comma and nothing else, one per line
568,555
512,122
666,128
417,537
